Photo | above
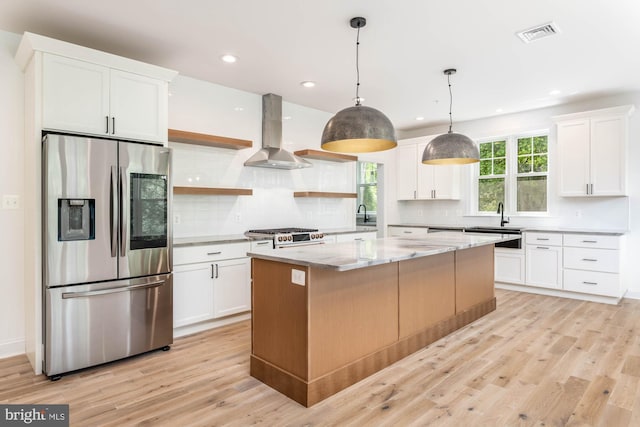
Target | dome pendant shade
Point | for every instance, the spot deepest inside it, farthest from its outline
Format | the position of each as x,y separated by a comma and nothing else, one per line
358,129
450,149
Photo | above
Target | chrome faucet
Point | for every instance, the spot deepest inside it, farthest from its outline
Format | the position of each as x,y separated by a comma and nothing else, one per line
366,218
501,212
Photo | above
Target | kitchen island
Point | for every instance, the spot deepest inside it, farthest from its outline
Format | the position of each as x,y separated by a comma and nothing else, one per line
327,316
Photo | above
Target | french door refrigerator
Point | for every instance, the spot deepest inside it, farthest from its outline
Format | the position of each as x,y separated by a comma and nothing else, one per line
107,257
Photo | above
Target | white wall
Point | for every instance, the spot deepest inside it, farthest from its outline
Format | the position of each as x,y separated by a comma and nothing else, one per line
11,183
203,107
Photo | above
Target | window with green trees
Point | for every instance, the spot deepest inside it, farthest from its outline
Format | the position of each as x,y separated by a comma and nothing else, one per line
514,171
367,183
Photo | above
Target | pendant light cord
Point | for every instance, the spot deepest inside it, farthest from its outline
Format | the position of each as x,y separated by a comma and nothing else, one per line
450,102
358,67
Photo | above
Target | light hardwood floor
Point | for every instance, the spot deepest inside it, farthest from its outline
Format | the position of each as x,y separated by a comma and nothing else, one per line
536,360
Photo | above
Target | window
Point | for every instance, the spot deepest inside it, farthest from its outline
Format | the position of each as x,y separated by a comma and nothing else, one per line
514,171
367,185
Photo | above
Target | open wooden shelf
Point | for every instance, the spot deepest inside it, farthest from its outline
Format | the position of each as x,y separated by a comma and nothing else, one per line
325,194
208,140
325,155
213,191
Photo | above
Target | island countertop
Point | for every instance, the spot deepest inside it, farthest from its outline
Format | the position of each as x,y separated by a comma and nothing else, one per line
346,256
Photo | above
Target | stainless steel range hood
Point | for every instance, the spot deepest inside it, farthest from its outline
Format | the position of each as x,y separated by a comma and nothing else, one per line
272,155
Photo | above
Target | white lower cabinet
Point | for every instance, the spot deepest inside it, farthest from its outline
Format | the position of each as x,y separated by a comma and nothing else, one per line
543,260
213,289
401,231
509,265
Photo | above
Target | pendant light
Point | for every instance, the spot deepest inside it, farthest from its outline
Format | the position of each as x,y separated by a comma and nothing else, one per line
450,148
358,129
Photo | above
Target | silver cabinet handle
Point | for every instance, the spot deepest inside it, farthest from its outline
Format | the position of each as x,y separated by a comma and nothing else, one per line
590,283
541,238
587,188
591,188
217,271
589,241
107,121
358,239
542,247
266,242
214,253
590,259
67,295
415,195
408,232
212,271
113,125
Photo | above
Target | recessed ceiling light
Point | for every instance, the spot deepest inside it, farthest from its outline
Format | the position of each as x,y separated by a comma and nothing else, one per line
308,83
238,109
419,118
555,92
230,59
286,117
499,110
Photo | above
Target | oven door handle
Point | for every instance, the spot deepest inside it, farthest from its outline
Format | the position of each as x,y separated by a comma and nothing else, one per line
67,295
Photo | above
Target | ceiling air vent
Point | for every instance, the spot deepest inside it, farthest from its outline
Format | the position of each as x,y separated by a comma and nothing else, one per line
538,32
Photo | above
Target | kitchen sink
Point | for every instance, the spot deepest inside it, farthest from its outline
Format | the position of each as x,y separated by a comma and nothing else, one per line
513,244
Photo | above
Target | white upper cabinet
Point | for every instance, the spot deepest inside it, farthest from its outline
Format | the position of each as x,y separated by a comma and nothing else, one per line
91,99
592,149
417,181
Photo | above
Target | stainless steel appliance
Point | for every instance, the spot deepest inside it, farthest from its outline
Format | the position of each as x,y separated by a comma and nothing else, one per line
288,237
107,254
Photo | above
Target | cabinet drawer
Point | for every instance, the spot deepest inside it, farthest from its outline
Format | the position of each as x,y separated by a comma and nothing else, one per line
605,260
258,245
545,239
205,253
408,231
592,241
590,282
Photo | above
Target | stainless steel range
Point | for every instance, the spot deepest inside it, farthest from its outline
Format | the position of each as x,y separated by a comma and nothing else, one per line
288,237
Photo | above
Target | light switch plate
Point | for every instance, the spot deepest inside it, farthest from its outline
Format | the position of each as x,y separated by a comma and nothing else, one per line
10,201
298,277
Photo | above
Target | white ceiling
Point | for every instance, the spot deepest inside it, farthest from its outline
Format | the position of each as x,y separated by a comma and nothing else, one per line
403,49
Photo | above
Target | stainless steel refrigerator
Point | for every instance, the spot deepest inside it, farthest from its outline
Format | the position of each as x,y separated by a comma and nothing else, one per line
107,257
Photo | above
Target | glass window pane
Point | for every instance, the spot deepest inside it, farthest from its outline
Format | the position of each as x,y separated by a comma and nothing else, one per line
485,150
524,146
524,164
490,192
532,194
540,163
368,196
499,166
499,149
540,144
485,167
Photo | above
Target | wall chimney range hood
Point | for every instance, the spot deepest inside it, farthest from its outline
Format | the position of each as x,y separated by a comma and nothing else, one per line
272,155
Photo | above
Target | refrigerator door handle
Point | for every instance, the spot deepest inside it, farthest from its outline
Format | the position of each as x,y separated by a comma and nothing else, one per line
113,209
67,295
123,219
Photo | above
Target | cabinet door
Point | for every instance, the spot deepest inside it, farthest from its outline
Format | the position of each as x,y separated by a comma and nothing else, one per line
574,157
446,182
232,287
349,237
75,96
406,172
509,266
192,294
138,107
544,266
426,184
608,151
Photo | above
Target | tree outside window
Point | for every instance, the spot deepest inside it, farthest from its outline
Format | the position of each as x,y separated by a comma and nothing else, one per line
367,185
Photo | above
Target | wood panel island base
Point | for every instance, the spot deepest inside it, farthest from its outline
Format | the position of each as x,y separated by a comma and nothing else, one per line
316,331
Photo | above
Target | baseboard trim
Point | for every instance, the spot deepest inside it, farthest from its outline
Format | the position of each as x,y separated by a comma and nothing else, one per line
209,324
560,293
12,348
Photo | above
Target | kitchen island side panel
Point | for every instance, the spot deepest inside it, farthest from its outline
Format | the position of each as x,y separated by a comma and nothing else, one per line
352,314
279,317
427,292
474,276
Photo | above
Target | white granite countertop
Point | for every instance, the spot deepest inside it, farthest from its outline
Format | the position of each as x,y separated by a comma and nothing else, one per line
360,254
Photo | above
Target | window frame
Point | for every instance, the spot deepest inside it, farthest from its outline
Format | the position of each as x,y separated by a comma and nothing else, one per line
511,175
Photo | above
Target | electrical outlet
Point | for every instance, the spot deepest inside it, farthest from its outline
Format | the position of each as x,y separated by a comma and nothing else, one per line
10,201
238,217
298,277
176,218
578,213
